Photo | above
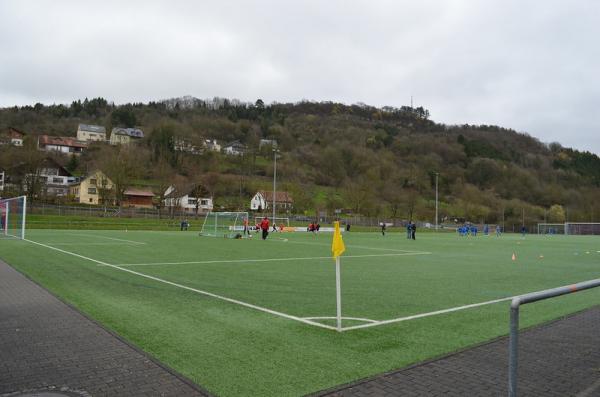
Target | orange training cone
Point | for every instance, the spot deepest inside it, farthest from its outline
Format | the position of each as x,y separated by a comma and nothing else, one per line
514,257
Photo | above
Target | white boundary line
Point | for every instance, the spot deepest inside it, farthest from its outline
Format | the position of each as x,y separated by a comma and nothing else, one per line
238,302
306,320
268,259
366,320
108,238
351,246
435,313
86,244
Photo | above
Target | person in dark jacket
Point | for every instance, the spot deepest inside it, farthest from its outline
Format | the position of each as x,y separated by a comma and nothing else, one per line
413,230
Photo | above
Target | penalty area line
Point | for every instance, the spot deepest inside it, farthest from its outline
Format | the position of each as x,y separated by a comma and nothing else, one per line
269,259
198,291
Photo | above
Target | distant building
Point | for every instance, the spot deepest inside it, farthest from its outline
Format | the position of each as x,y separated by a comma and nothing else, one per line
235,148
263,200
1,181
138,198
183,145
267,142
12,137
55,178
96,188
61,144
213,146
186,199
124,136
91,133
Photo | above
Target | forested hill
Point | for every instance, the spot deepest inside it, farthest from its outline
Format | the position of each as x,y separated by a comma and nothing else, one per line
365,160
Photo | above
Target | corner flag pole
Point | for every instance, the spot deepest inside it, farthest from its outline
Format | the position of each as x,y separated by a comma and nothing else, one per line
337,249
338,293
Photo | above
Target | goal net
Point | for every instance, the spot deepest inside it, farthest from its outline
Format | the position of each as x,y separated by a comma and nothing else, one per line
279,221
12,217
223,224
570,228
551,228
580,228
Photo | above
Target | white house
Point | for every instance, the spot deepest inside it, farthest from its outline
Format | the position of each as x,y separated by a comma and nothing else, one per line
184,199
213,146
91,133
263,200
235,148
1,181
267,142
55,178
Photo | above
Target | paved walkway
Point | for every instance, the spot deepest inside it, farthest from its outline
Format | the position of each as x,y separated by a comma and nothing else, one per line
561,358
47,345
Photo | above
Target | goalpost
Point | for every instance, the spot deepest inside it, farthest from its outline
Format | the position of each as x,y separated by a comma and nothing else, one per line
570,228
551,228
13,212
226,224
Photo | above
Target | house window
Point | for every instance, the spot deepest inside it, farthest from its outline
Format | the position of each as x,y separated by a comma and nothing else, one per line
92,181
91,190
191,201
91,200
57,180
204,202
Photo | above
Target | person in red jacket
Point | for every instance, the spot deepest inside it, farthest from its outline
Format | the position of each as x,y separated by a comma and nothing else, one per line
264,225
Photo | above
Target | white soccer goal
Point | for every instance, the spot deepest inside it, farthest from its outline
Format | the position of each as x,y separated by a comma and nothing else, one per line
570,228
278,220
582,228
223,224
13,212
551,228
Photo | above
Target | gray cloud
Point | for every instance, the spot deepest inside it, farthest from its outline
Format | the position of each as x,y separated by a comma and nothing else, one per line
520,64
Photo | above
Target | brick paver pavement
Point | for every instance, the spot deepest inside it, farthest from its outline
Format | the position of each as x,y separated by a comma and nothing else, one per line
46,344
561,358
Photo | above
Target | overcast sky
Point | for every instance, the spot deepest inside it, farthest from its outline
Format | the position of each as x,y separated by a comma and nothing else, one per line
528,65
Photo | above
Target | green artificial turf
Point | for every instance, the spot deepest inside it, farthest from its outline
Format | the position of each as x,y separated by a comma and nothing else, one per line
234,350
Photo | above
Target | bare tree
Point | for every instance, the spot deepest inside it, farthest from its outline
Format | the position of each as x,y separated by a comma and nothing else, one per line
121,166
164,174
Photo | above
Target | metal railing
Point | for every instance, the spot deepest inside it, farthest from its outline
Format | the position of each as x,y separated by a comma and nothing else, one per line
513,345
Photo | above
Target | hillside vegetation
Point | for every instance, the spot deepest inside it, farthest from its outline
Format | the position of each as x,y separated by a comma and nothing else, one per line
378,162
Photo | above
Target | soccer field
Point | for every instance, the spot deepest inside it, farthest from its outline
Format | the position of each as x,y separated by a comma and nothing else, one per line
252,317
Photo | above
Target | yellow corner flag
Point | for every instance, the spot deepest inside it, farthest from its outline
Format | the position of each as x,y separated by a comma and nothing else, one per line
337,245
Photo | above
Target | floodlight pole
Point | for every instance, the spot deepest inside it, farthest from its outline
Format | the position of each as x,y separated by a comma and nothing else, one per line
274,180
437,174
338,293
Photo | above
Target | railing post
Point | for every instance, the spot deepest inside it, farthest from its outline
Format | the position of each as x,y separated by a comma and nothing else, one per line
513,347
